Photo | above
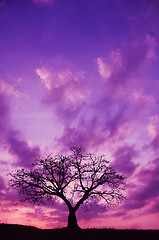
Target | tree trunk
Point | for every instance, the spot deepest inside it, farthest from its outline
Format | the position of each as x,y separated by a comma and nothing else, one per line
72,221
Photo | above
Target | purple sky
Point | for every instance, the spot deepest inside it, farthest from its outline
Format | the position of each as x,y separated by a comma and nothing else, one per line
81,72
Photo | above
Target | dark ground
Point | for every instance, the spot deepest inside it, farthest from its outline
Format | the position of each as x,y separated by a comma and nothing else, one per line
17,232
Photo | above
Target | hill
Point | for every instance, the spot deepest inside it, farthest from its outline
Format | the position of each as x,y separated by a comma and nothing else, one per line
17,232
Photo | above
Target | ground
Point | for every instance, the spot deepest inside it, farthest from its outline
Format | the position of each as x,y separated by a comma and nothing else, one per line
17,232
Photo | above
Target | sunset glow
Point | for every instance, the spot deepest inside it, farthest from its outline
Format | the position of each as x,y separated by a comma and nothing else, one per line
81,73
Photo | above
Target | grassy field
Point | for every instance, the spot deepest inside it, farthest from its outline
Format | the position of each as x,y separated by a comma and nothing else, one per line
17,232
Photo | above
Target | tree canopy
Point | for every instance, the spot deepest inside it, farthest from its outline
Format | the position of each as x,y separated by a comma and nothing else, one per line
76,179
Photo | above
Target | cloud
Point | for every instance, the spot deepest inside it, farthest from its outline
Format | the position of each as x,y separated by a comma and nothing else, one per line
64,86
87,133
107,69
104,68
123,65
153,126
113,107
124,160
91,211
2,184
5,114
146,21
154,208
152,45
144,193
142,100
10,137
105,110
134,204
45,76
93,122
149,177
68,94
153,130
155,144
6,92
19,148
8,89
110,116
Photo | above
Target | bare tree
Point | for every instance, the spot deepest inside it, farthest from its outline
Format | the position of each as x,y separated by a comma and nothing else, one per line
75,179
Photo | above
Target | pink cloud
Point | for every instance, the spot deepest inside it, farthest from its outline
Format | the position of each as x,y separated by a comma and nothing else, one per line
142,100
64,85
111,115
68,94
153,130
153,126
45,76
107,68
104,68
8,89
123,65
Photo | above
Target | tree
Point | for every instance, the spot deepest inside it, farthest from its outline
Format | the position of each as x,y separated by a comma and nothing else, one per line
75,179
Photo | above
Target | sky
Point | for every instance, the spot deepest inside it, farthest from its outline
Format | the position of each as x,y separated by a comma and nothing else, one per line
81,72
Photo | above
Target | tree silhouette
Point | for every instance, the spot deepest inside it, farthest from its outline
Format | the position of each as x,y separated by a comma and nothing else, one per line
75,179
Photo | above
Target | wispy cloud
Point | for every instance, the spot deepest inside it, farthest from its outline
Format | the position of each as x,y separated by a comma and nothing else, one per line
65,86
153,126
8,89
114,64
10,137
124,160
